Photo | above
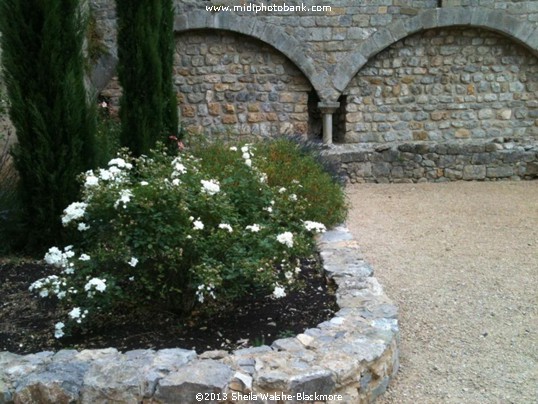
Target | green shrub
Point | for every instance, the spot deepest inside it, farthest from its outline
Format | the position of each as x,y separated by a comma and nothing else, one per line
290,161
171,232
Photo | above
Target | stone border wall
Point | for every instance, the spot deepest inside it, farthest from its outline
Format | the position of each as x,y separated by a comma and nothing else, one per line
353,355
497,159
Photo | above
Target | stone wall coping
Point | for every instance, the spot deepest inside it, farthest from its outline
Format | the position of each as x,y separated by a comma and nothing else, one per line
494,159
354,355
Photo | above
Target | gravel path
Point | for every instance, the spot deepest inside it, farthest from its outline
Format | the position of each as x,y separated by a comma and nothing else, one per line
461,261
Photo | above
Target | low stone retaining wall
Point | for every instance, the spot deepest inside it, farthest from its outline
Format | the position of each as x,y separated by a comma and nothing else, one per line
349,359
496,159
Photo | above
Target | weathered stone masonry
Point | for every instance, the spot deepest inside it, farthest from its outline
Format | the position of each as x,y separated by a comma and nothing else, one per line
335,50
377,73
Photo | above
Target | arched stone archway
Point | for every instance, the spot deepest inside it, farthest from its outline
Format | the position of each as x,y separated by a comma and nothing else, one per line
444,84
230,85
271,34
518,30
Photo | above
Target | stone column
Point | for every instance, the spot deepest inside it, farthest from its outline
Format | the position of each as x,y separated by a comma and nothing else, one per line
327,109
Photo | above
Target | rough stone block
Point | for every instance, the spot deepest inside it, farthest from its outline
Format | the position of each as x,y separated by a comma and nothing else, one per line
474,172
320,382
203,376
499,172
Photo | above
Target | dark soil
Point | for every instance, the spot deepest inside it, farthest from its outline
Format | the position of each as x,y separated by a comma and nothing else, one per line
27,322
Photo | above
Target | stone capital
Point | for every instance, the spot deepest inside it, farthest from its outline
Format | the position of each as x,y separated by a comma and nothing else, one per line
328,107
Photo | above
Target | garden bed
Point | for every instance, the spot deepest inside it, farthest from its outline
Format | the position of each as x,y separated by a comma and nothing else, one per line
27,322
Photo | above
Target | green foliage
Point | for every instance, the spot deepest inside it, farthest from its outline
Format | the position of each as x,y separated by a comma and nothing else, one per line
145,49
107,135
44,71
288,161
171,232
167,48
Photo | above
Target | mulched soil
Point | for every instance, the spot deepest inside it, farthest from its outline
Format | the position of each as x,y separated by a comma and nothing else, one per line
27,322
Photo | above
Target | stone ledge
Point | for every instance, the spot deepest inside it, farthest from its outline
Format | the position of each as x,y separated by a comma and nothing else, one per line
354,355
469,160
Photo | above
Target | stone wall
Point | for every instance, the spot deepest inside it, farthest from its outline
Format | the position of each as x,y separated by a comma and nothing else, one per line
405,162
352,357
441,85
230,84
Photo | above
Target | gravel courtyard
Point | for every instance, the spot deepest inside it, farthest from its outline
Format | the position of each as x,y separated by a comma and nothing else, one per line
460,260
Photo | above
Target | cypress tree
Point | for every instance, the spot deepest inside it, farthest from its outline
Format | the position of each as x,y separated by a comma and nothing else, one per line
170,115
148,108
42,42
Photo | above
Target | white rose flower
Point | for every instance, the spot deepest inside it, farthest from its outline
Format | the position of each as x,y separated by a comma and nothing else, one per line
254,228
58,330
279,292
226,226
73,212
286,238
75,313
210,187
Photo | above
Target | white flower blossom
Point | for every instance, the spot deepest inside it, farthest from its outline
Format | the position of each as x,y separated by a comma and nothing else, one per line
178,167
209,289
233,148
75,313
248,162
281,190
289,275
57,258
286,238
210,187
133,262
121,163
58,330
279,292
198,225
95,283
226,226
84,257
91,180
125,198
144,183
74,211
293,197
54,257
82,227
105,175
314,226
254,228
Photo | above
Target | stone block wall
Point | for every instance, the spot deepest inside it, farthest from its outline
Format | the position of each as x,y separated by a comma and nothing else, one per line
407,162
229,85
444,84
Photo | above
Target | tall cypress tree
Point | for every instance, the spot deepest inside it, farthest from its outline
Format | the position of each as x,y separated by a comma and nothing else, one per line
42,43
148,108
166,37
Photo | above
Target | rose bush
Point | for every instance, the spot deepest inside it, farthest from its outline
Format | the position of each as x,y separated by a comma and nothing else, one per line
172,231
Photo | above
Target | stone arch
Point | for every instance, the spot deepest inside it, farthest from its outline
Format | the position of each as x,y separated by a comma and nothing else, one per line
478,17
443,85
230,85
254,27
